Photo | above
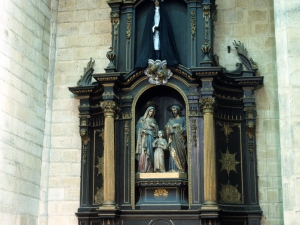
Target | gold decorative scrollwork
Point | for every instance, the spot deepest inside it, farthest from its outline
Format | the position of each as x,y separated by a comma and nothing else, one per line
127,133
161,194
194,113
128,29
99,165
228,162
230,194
226,128
84,136
126,115
250,131
114,16
194,130
98,198
107,78
101,133
85,140
193,23
82,91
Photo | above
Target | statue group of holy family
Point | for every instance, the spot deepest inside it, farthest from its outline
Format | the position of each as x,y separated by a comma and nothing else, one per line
151,143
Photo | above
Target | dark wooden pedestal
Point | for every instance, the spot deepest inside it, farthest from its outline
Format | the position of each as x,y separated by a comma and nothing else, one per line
161,191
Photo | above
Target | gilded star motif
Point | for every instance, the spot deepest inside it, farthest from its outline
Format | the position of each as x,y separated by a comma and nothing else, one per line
99,166
228,162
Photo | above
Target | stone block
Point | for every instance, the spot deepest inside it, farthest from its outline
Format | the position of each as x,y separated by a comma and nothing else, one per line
99,14
64,17
102,27
77,41
84,54
70,155
54,220
258,15
230,4
80,16
243,29
69,5
65,54
67,29
262,4
66,67
262,28
75,169
60,169
56,194
86,28
70,181
54,207
72,194
243,4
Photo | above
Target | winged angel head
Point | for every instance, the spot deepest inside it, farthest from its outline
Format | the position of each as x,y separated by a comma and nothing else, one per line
158,72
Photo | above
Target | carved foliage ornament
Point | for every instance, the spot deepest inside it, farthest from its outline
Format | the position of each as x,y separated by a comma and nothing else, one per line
207,104
114,16
84,136
194,130
193,23
128,29
250,131
109,107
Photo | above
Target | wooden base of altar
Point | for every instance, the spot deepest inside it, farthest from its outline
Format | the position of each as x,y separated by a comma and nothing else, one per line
162,191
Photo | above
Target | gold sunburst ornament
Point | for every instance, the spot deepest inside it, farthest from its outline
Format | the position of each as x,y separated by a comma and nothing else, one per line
228,161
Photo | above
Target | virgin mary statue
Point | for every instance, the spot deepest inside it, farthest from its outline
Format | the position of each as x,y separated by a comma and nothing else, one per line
146,130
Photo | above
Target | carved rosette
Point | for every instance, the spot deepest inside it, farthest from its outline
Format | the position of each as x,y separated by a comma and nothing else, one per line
207,104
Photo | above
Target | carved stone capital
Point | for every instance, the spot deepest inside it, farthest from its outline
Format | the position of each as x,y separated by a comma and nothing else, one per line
207,104
109,108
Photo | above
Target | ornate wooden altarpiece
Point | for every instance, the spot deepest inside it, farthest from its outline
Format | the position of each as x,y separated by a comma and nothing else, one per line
219,185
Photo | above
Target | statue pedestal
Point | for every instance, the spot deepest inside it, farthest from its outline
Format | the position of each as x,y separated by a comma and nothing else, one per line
162,191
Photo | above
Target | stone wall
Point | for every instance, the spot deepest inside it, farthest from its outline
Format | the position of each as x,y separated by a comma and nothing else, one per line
24,66
288,72
252,23
83,31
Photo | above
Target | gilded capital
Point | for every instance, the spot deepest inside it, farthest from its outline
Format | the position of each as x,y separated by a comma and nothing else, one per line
207,104
109,108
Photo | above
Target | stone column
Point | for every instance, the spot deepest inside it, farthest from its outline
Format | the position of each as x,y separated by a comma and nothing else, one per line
210,197
287,31
109,154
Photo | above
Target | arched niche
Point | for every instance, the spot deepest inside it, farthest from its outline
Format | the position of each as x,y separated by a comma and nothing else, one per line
177,11
162,97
